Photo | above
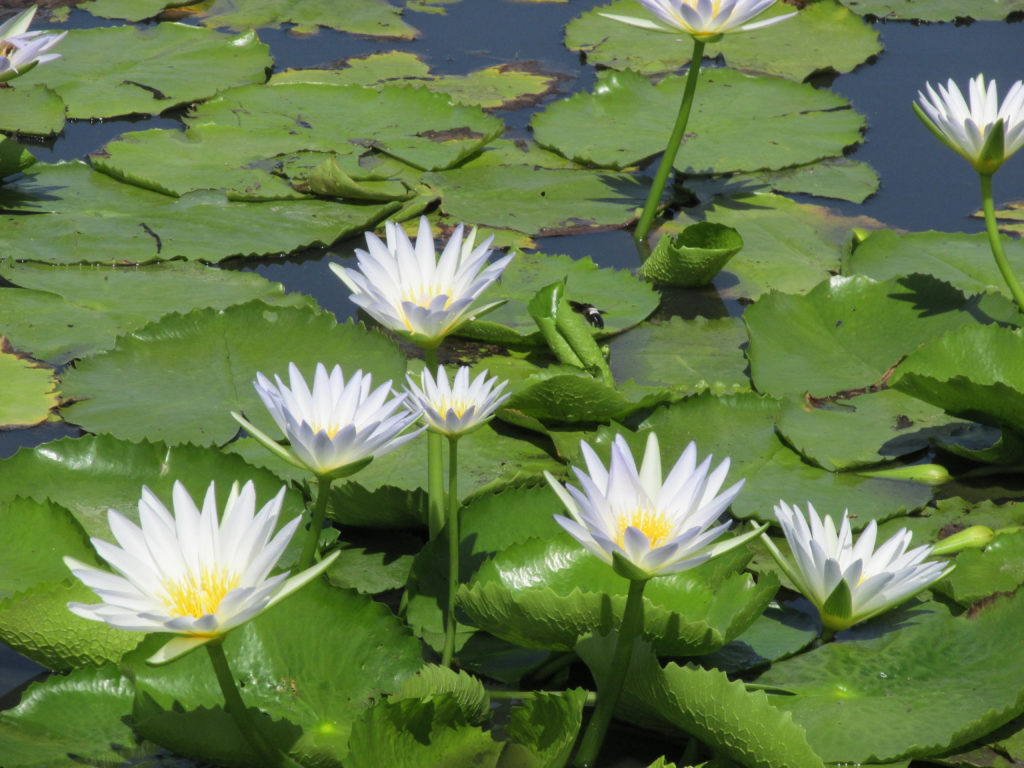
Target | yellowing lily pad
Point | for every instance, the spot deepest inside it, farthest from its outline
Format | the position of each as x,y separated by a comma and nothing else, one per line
29,391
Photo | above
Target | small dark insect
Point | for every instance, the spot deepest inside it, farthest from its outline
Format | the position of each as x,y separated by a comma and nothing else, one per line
590,313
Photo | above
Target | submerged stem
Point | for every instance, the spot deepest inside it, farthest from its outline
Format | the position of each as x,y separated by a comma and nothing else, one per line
672,148
608,695
435,464
993,241
453,550
323,487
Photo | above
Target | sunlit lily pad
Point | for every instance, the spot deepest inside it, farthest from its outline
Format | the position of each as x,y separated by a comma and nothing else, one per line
86,216
13,157
823,36
112,71
60,313
847,332
625,300
738,122
546,593
896,692
418,127
182,388
838,178
376,18
1009,218
979,573
936,10
31,109
503,86
29,391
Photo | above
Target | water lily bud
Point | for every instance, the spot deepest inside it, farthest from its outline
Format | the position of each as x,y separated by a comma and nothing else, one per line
975,537
929,474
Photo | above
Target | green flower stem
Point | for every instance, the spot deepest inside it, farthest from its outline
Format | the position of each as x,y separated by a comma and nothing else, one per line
993,240
323,487
672,148
273,758
608,695
435,465
453,550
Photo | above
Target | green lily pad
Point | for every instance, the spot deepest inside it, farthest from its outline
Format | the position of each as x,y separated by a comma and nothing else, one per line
545,593
375,564
504,86
30,392
13,157
686,356
1009,217
962,260
86,216
33,109
539,201
692,258
935,10
181,388
625,300
838,178
738,122
971,371
780,631
876,427
789,247
951,516
60,313
979,573
420,128
847,333
893,692
824,36
111,71
131,10
376,18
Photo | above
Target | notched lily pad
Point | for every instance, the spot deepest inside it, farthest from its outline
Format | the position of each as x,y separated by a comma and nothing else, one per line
33,109
936,10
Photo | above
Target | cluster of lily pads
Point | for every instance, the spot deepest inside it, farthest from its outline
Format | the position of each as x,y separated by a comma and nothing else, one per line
360,609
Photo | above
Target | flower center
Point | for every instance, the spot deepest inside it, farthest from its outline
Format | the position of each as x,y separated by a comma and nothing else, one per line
330,429
652,523
422,295
456,405
191,597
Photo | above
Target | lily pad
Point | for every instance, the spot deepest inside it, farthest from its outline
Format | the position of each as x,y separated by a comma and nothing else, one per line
692,258
111,71
999,568
86,216
824,36
848,332
935,10
504,86
842,179
376,18
60,313
739,122
892,690
33,109
13,157
1009,218
182,388
30,391
420,128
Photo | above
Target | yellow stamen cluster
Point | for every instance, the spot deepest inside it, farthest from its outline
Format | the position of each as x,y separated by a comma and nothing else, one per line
330,429
651,522
422,295
186,597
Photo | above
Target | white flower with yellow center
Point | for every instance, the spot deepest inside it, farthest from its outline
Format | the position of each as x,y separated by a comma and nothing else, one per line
461,407
848,581
704,20
21,50
336,425
641,525
191,574
983,131
411,291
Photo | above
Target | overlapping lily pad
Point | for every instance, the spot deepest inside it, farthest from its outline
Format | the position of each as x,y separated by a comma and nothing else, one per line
936,10
112,71
738,123
188,372
59,313
33,109
13,157
823,36
29,390
895,690
81,215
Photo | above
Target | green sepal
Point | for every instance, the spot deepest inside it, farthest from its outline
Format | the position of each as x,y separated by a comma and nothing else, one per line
838,608
345,470
993,151
269,443
628,569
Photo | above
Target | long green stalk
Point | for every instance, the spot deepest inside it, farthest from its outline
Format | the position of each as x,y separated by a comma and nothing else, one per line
323,488
993,241
672,148
435,465
272,757
453,551
608,694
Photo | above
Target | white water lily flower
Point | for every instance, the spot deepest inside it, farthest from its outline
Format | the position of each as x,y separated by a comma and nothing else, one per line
641,525
849,582
190,574
21,50
459,408
414,293
705,20
335,426
971,128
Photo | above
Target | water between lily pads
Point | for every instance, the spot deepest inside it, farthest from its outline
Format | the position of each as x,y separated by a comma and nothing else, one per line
923,186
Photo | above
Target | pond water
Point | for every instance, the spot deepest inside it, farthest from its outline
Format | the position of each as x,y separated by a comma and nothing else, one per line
923,186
